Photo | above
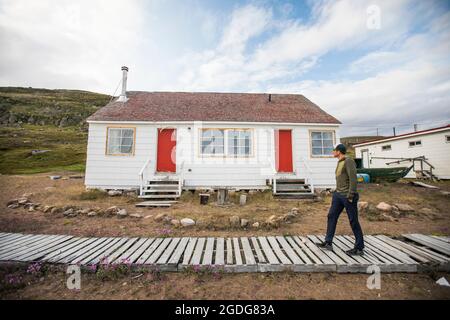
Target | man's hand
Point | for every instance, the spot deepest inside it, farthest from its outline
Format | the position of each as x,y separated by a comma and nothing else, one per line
350,198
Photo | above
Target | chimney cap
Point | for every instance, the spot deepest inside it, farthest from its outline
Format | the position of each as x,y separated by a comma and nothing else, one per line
124,68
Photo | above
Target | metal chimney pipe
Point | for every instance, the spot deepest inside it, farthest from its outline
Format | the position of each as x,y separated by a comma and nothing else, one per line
123,95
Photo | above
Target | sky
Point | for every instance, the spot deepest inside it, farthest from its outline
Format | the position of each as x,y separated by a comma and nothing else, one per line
372,64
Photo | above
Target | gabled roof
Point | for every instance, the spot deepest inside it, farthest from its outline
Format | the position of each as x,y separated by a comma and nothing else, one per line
203,106
405,135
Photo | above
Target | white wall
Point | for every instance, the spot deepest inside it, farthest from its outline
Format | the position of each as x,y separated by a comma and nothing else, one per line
105,171
434,147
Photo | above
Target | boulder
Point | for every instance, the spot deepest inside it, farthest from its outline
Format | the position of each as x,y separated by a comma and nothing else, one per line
55,177
235,221
22,201
186,222
273,221
114,193
47,209
55,210
402,207
27,195
159,217
122,213
85,211
13,201
112,210
445,193
242,199
69,212
383,206
244,223
175,222
362,206
167,219
13,206
255,225
92,214
136,215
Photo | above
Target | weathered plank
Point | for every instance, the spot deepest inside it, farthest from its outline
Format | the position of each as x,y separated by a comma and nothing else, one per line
95,252
175,258
65,248
258,251
122,250
148,250
220,252
73,253
229,252
429,242
208,255
248,253
198,251
42,250
8,254
105,255
50,249
395,244
189,250
133,258
271,257
164,258
298,250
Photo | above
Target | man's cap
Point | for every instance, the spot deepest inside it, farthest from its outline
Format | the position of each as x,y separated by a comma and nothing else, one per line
341,148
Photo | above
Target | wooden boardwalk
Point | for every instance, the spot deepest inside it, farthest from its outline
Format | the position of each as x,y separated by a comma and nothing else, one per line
415,252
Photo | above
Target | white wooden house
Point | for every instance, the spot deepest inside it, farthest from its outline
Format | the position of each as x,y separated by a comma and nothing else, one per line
432,144
210,140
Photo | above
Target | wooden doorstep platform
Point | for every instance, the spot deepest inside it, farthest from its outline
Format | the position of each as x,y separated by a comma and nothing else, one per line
413,253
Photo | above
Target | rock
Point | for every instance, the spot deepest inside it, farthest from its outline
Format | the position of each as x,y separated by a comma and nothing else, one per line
31,209
47,209
362,206
135,215
27,195
167,219
148,216
175,222
55,210
92,214
22,201
55,177
114,193
445,193
68,212
76,177
383,206
244,223
388,217
122,213
34,152
242,199
273,221
13,206
159,217
235,221
112,210
13,201
255,225
403,207
85,211
186,222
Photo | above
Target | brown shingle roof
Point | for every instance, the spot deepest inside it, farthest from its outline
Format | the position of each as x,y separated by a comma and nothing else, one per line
203,106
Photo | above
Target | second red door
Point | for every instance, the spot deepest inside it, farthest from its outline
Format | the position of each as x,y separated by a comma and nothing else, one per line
283,151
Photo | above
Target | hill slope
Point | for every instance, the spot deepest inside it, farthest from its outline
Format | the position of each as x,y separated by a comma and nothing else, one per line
46,120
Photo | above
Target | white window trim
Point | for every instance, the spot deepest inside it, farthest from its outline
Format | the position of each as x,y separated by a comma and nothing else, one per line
415,145
225,143
333,132
120,154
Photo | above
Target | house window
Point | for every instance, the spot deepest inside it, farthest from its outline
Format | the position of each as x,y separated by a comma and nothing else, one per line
120,141
416,143
447,139
226,142
213,142
386,147
239,142
322,143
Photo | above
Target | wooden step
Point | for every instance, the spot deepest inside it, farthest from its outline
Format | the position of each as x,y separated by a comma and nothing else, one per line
159,196
162,182
158,191
290,181
156,203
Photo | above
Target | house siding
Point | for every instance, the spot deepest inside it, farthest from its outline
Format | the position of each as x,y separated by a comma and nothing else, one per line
109,172
434,147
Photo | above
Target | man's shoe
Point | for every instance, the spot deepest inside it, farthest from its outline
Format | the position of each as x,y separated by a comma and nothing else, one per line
325,246
355,252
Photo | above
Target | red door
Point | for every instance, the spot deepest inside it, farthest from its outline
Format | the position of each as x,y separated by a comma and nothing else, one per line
283,151
166,154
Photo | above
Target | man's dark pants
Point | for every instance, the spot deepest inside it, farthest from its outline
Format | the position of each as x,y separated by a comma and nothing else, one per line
338,204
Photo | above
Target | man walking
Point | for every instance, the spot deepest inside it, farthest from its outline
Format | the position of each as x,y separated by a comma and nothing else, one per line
345,196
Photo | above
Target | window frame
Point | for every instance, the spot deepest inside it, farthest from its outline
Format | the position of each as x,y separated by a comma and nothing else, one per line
133,146
333,132
386,145
225,153
415,143
447,139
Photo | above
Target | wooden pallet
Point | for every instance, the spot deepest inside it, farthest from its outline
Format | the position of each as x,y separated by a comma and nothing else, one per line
236,254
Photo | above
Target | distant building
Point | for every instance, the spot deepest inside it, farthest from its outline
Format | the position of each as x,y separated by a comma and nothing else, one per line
432,144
